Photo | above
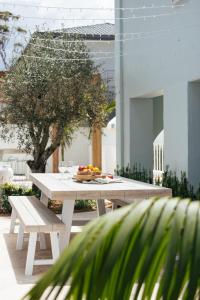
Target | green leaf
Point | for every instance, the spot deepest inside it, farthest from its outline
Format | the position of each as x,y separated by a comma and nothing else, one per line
149,248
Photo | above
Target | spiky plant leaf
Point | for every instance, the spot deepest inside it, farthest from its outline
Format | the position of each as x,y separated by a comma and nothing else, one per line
148,249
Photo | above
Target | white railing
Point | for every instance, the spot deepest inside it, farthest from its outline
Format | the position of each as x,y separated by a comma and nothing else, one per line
158,160
19,166
158,151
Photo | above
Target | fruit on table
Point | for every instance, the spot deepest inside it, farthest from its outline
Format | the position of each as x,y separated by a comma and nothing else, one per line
81,168
90,167
89,170
96,169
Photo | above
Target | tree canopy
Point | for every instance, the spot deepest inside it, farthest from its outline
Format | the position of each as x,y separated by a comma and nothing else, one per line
53,88
8,30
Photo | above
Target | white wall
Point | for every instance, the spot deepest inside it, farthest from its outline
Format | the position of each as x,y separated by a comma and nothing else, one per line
141,132
162,59
109,150
194,133
80,151
105,65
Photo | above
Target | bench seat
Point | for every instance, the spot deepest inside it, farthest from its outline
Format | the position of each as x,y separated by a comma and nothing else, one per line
35,218
34,215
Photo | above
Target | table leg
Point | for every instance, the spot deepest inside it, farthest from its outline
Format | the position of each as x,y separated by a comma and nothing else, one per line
114,205
101,207
67,215
44,199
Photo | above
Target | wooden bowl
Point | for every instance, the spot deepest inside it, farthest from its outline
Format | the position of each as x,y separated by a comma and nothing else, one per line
84,177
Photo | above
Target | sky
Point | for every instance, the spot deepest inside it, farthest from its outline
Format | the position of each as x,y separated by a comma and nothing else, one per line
55,17
45,18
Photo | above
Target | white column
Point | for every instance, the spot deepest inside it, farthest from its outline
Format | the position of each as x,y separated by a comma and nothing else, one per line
141,132
119,86
194,133
176,127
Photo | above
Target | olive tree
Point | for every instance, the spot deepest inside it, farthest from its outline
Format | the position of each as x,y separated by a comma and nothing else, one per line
53,88
9,29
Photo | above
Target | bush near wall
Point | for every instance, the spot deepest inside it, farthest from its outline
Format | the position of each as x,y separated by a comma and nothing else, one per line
7,190
180,185
80,206
137,172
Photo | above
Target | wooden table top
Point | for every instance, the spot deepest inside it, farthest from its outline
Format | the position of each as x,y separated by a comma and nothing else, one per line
56,187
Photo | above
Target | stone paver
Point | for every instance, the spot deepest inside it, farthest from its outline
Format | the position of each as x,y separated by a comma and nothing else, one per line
13,283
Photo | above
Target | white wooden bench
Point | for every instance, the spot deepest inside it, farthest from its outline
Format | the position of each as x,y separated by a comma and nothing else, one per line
35,219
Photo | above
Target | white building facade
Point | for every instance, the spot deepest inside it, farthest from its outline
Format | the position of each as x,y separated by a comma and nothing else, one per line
158,83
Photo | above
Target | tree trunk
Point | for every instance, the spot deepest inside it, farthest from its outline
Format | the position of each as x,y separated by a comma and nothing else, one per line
37,166
62,152
97,147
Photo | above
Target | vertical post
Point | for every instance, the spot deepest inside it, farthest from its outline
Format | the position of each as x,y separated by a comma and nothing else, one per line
55,155
97,147
55,160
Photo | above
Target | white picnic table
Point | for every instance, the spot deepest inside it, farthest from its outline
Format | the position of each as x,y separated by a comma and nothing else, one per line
62,187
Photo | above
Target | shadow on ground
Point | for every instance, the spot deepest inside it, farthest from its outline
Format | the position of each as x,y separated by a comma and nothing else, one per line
18,257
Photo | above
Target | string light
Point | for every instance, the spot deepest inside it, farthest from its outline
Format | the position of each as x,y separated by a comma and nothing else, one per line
106,19
64,40
69,59
70,51
134,35
152,6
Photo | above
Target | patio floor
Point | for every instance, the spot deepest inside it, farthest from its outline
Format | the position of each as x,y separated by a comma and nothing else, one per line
13,283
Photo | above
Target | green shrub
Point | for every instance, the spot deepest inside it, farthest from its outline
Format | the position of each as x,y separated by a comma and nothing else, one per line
16,190
80,205
180,185
8,189
136,173
85,204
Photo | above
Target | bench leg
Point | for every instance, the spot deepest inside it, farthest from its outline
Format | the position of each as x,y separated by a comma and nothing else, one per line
31,253
13,220
42,241
54,245
44,199
20,237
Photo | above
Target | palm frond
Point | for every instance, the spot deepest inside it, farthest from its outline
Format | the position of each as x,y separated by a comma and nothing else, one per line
148,249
